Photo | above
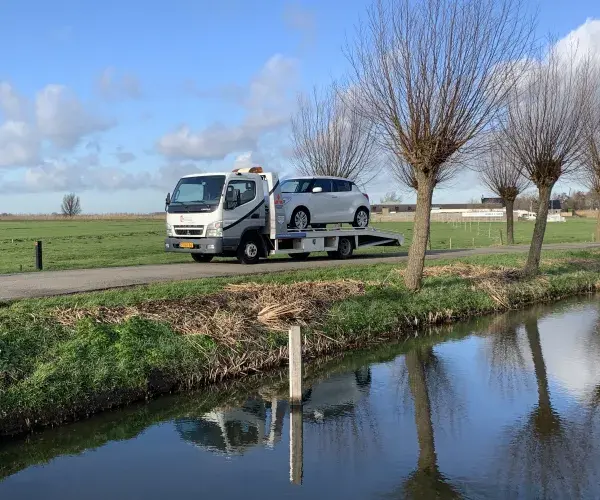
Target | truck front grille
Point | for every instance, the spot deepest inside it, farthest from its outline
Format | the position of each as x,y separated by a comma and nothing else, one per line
189,230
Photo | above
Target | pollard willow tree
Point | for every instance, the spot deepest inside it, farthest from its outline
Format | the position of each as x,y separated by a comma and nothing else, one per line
431,75
500,174
591,162
545,127
331,137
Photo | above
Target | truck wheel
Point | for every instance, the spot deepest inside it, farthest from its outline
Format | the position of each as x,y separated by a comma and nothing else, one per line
300,218
345,249
249,250
361,218
202,257
299,256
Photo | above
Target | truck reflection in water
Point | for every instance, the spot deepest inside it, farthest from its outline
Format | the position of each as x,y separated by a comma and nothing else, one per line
258,422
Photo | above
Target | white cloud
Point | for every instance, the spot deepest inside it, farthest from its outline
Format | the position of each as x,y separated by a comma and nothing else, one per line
112,85
267,103
12,105
63,119
124,156
249,159
19,144
582,41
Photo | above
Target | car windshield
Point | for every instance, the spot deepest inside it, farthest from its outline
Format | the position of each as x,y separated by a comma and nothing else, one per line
295,186
205,189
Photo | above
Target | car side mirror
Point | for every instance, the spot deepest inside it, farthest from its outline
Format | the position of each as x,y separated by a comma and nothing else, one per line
167,200
317,189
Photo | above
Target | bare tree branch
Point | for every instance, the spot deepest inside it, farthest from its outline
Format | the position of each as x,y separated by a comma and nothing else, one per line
332,138
431,75
501,175
544,128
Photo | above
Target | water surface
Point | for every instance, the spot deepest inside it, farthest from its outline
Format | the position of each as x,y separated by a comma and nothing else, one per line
503,407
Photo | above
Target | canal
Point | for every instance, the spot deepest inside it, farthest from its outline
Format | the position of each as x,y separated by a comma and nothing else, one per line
501,407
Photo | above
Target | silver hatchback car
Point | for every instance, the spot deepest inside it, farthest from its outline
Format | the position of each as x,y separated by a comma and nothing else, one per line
318,201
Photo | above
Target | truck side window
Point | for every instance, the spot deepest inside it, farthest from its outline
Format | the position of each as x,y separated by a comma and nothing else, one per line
247,191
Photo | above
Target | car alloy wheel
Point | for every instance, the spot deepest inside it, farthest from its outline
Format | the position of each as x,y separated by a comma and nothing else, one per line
300,219
362,218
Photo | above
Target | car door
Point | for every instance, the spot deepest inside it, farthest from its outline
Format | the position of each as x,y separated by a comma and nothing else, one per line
235,215
345,205
323,209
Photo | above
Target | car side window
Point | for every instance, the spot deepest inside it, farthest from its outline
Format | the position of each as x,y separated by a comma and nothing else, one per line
247,192
343,186
324,184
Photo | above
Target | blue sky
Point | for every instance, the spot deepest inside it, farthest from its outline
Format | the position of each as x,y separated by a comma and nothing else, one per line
115,100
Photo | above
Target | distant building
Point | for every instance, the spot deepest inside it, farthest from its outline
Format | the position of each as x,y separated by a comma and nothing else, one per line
387,208
492,201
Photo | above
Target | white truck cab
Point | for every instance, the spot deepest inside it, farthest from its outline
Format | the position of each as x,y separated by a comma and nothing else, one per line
240,214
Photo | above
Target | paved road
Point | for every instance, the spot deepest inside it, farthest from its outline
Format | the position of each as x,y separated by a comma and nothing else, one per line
47,283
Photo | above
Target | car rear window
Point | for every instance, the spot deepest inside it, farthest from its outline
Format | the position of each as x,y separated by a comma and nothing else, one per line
343,186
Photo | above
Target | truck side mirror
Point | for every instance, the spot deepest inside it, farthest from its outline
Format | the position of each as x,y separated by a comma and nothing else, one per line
232,198
168,200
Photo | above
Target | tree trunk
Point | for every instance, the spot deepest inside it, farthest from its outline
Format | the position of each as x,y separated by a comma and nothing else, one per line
510,222
418,246
539,366
535,250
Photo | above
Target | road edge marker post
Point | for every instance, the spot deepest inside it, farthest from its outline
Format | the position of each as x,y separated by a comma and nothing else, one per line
295,374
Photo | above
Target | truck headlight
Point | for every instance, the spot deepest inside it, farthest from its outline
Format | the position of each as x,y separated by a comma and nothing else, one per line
169,230
214,230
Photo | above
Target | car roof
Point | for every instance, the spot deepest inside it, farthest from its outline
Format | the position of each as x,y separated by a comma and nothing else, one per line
310,177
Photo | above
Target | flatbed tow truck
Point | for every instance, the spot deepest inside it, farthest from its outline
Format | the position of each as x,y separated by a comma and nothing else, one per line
241,214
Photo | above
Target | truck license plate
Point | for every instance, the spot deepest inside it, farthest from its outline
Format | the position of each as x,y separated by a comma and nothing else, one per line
186,244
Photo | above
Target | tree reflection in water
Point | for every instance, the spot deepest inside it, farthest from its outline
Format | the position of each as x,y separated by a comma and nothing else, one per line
430,389
549,455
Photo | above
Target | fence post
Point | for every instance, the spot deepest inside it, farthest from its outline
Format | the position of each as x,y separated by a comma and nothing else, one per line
38,256
450,243
501,239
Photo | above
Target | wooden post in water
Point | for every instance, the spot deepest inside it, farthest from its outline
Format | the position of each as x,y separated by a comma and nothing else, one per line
295,365
296,445
295,374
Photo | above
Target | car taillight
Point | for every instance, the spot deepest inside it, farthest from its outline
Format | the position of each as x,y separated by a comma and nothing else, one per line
366,196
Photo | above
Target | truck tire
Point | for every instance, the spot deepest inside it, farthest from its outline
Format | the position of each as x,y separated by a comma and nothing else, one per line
345,249
202,257
249,250
299,256
361,218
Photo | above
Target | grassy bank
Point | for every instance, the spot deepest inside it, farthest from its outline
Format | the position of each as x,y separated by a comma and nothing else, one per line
89,243
66,357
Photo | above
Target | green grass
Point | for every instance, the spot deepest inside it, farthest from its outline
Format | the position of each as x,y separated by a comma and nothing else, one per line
50,373
77,244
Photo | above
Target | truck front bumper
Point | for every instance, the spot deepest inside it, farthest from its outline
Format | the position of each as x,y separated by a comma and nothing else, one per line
201,245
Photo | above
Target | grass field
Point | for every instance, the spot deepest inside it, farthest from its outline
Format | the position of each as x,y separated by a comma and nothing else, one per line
71,244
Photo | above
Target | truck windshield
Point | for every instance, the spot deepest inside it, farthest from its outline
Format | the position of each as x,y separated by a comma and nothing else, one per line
295,186
206,189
